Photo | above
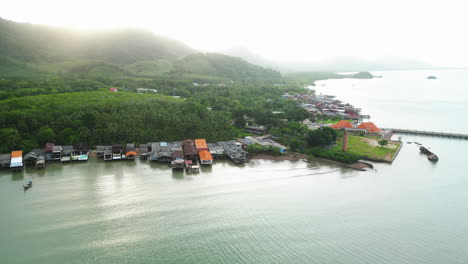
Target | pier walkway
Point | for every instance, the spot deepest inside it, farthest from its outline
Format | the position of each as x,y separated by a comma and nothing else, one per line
427,133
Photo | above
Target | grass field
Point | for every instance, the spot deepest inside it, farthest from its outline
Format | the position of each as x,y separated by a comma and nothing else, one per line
369,147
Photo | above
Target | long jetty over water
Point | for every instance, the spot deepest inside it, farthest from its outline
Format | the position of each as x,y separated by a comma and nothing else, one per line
428,133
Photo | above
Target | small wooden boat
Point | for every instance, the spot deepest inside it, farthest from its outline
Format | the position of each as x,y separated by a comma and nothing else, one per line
27,185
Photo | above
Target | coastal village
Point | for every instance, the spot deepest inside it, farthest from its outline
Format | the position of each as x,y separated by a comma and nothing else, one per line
187,154
359,137
356,138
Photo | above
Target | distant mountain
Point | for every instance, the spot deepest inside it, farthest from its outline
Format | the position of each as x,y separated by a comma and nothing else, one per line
221,65
29,43
249,56
337,64
28,49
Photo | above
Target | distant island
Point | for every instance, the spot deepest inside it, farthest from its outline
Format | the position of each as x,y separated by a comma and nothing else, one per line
431,77
360,75
309,78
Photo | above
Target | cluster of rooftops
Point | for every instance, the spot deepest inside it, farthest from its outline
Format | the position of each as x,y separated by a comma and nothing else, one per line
327,105
366,127
182,154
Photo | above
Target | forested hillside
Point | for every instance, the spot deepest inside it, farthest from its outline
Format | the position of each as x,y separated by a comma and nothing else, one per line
225,66
31,44
27,49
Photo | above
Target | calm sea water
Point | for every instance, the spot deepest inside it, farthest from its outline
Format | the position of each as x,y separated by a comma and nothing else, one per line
412,211
406,99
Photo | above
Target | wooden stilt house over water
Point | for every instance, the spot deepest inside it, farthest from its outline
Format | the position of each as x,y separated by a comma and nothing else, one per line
57,152
49,147
130,152
190,152
200,144
81,152
144,151
100,151
191,166
116,152
16,162
155,148
205,157
31,157
203,152
48,150
216,150
66,153
5,160
234,151
107,153
176,146
40,163
165,152
177,160
190,155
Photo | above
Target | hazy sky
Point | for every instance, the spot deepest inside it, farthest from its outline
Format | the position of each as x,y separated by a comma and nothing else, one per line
433,31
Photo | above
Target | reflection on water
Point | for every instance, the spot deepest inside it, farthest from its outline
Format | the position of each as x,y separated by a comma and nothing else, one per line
263,212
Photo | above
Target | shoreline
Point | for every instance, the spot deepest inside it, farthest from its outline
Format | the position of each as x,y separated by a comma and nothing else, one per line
294,156
291,156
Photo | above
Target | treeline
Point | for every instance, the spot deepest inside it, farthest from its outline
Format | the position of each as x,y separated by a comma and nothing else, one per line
24,86
312,142
257,148
331,155
252,104
105,118
225,66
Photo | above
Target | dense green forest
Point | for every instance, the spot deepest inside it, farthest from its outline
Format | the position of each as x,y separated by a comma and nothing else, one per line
103,117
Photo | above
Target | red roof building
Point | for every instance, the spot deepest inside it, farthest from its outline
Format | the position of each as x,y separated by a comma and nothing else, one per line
342,124
370,127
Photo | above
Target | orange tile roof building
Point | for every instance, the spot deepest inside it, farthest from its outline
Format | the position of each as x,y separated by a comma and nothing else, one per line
342,124
370,127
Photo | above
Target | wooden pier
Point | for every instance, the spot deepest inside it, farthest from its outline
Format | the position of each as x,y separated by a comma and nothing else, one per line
427,133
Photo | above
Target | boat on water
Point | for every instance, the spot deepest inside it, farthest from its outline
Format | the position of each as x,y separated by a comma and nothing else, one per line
433,157
430,156
81,152
27,185
424,150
